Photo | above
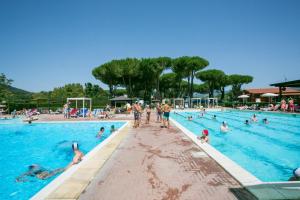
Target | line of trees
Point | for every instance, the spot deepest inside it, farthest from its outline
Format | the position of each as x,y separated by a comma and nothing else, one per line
147,77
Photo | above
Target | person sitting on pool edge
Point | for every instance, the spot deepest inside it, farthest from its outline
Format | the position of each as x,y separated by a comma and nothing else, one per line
204,137
39,172
99,134
254,119
78,155
296,175
224,127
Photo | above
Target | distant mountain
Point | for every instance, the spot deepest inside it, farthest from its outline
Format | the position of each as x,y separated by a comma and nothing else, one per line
19,93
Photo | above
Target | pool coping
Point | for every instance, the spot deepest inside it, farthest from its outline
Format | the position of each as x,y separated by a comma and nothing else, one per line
90,165
240,174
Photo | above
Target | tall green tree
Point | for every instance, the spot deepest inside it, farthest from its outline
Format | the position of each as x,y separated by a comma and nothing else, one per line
237,81
163,63
211,78
108,73
195,64
223,82
168,84
179,67
146,77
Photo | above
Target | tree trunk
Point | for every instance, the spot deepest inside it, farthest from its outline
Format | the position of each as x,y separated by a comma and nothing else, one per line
222,93
192,84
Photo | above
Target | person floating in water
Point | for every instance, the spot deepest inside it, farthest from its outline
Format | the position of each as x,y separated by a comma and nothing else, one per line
204,137
112,129
99,134
78,155
296,175
224,127
254,118
247,122
265,121
39,172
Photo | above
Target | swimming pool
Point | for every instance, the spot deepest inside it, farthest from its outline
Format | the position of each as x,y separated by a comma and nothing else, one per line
46,144
268,151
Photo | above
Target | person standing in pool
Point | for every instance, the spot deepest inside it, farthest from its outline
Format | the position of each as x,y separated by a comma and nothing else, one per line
204,137
166,115
247,122
254,118
296,175
78,155
39,172
112,129
224,127
99,134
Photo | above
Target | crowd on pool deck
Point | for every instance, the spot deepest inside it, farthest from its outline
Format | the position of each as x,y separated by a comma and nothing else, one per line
284,106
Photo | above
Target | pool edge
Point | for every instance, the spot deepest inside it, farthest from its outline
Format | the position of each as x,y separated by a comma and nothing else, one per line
69,185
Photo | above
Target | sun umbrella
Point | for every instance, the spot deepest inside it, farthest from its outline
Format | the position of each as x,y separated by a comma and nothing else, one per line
270,95
244,96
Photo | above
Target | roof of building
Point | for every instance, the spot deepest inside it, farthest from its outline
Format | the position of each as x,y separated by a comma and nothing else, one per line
271,90
295,83
121,98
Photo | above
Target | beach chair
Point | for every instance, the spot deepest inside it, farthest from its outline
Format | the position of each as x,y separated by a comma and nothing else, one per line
73,112
83,112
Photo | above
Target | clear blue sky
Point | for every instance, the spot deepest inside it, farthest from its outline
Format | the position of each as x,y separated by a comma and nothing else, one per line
45,44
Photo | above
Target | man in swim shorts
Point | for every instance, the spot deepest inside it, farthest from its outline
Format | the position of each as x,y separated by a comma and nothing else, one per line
136,114
166,115
100,132
39,172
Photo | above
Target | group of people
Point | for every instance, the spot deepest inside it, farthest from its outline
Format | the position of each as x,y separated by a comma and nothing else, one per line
162,112
37,171
285,106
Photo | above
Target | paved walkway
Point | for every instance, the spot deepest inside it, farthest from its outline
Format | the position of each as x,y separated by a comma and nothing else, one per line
162,164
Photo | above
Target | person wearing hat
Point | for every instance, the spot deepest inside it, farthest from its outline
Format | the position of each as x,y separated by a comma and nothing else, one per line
224,127
78,155
296,175
204,137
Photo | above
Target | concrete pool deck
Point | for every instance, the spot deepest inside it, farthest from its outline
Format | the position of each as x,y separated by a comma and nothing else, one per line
158,163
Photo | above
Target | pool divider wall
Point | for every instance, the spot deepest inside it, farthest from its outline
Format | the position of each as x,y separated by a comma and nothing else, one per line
239,173
262,190
91,158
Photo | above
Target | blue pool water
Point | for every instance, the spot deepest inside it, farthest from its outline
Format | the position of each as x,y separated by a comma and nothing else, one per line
269,151
46,144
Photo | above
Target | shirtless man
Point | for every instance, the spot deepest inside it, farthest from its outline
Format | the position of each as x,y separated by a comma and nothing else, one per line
78,155
224,127
166,115
39,172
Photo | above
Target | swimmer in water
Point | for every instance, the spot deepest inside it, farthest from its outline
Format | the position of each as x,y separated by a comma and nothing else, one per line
254,119
224,127
190,118
204,137
265,121
112,129
78,155
247,122
214,117
39,172
100,132
296,175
